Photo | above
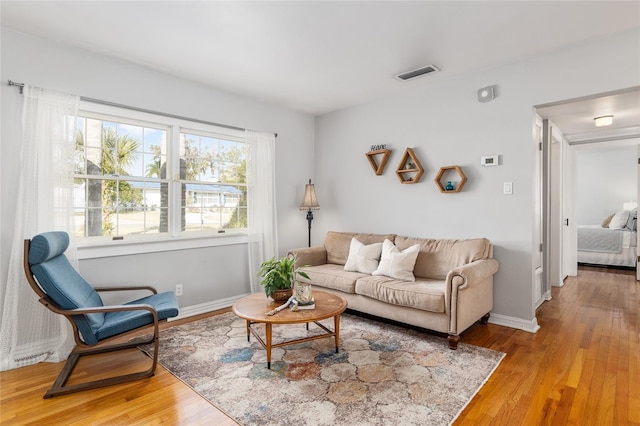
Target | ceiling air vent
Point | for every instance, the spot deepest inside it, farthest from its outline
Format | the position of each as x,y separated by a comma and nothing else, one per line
429,69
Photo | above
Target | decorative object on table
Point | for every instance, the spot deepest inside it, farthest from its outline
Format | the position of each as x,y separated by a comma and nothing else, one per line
302,292
309,203
303,306
281,294
376,150
415,378
442,175
409,170
278,277
281,307
293,305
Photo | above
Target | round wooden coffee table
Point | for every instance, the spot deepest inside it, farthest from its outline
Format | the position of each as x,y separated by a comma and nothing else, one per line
254,310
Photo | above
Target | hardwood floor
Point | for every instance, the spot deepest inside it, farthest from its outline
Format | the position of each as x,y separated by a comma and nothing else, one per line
582,367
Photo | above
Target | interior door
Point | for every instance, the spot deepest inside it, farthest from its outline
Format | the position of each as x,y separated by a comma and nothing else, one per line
553,205
570,229
538,280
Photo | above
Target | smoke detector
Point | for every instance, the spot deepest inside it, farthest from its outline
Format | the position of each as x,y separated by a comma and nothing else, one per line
428,69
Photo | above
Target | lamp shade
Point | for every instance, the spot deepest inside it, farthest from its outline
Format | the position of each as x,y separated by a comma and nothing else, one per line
309,202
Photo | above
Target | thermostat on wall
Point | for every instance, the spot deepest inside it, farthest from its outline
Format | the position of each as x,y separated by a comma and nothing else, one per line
491,160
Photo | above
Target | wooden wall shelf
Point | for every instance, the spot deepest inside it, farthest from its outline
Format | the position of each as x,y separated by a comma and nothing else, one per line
378,168
441,173
409,170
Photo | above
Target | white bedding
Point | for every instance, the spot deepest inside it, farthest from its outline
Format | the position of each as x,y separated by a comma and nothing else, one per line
626,257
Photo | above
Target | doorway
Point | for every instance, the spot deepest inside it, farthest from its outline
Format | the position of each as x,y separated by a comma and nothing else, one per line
567,125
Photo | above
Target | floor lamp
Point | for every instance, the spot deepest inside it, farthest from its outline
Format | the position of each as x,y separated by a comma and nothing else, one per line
309,203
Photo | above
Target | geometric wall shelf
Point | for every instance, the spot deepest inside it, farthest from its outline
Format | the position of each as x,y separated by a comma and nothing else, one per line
409,170
378,168
446,170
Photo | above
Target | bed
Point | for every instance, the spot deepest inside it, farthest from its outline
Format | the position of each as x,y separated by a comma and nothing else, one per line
610,246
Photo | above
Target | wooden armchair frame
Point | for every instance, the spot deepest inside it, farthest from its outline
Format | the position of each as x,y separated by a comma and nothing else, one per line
104,346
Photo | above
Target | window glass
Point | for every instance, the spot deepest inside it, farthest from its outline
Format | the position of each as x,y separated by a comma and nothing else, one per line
213,182
118,182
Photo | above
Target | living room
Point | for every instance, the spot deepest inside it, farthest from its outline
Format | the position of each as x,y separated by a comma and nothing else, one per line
438,115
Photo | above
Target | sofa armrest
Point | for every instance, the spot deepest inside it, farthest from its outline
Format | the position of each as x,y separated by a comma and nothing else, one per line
473,272
471,296
310,256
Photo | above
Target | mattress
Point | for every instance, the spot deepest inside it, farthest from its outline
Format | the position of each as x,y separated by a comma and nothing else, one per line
603,246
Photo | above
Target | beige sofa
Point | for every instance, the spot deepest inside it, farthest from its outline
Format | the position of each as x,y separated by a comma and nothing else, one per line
453,285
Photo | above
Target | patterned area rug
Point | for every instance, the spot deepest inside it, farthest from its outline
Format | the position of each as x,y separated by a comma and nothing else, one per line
383,375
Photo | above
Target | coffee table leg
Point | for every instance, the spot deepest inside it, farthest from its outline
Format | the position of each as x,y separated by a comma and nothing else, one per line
336,325
268,338
248,331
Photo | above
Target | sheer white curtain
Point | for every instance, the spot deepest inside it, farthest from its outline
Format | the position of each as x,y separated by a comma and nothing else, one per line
261,202
29,332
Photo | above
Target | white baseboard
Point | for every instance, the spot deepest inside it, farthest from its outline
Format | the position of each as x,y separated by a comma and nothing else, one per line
513,322
203,308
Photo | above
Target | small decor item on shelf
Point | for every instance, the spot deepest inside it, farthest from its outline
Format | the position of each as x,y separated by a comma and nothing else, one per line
449,186
278,277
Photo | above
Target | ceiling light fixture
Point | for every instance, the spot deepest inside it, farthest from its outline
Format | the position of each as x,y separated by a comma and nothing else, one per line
605,120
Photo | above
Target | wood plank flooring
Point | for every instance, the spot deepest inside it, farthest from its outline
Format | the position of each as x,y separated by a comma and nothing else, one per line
582,368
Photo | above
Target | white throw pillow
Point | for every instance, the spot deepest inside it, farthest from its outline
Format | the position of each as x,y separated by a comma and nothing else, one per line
619,220
397,264
363,258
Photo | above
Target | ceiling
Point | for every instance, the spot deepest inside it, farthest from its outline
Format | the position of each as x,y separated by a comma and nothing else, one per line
575,118
320,56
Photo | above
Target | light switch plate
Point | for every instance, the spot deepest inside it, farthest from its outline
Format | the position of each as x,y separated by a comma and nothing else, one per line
507,188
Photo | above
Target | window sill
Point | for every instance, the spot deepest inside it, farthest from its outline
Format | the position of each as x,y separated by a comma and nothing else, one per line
123,247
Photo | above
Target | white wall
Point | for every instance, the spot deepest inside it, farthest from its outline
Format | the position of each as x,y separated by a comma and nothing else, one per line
441,119
605,178
207,274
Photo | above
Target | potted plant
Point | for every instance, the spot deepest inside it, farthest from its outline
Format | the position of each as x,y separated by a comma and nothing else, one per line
278,277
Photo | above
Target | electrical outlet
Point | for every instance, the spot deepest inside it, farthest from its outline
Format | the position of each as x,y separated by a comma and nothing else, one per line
179,290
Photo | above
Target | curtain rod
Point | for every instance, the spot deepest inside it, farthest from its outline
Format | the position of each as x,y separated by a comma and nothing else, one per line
148,111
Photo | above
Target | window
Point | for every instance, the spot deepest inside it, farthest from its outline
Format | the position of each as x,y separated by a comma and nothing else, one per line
214,194
139,175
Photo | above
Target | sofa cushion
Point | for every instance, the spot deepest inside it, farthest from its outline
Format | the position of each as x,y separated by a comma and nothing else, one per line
337,244
423,294
397,264
363,258
332,276
437,257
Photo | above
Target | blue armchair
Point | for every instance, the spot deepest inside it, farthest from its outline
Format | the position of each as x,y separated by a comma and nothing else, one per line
95,326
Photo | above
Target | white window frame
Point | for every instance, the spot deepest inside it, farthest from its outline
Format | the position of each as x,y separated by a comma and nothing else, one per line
175,239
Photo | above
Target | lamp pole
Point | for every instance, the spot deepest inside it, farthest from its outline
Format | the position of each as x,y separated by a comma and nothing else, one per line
309,219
